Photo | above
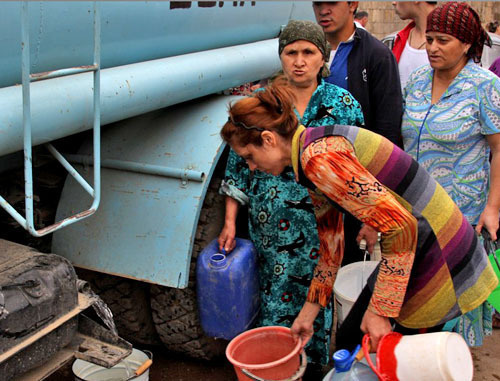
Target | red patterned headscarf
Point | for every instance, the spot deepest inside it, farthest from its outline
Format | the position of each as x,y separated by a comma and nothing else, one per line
462,22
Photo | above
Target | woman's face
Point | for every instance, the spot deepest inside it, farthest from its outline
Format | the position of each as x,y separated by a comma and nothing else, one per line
270,157
445,52
301,62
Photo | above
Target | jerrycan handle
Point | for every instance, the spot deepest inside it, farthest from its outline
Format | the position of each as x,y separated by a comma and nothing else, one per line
490,245
366,350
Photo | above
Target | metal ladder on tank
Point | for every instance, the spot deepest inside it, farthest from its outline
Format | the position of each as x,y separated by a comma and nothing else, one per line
95,192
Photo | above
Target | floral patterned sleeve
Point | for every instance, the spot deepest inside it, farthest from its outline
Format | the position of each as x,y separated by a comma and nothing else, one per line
331,249
330,163
237,179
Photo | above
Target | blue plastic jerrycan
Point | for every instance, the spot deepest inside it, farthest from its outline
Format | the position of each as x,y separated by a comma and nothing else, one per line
227,289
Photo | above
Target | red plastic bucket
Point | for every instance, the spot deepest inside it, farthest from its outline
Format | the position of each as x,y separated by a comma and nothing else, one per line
266,353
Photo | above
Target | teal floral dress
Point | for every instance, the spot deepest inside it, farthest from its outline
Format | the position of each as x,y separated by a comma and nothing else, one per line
282,225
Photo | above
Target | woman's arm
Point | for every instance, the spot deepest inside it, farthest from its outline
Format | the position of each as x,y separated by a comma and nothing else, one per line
302,326
234,187
331,247
489,111
490,215
332,166
226,237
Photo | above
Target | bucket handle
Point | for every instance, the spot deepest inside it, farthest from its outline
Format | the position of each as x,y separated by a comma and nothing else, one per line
145,365
297,376
490,245
366,350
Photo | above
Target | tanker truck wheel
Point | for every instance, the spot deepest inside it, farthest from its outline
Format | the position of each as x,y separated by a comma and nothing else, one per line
128,300
175,311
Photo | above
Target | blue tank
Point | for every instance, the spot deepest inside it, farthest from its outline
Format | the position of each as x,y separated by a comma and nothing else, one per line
227,289
154,55
135,31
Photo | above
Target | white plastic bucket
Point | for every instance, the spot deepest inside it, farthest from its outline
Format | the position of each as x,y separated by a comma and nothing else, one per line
349,283
434,356
124,370
438,356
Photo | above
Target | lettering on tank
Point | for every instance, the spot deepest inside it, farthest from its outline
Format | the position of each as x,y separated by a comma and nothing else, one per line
208,4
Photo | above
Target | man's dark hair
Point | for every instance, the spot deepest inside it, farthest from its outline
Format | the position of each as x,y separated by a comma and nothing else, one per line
432,2
360,14
492,26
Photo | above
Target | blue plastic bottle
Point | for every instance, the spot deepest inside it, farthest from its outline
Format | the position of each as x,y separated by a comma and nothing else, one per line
227,289
344,370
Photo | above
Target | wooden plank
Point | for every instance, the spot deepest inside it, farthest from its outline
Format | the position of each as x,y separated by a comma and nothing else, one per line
83,303
53,364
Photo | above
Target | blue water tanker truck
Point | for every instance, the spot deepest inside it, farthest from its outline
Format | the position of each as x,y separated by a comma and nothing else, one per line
110,154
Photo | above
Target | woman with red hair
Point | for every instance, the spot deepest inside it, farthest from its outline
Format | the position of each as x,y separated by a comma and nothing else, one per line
433,266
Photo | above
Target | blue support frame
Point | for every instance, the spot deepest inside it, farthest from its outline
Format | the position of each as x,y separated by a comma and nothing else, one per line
28,221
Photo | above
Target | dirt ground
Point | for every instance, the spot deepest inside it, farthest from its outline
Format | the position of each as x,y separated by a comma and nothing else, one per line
487,359
172,367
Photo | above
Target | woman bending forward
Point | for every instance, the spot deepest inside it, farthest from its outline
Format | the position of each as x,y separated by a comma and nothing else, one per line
433,267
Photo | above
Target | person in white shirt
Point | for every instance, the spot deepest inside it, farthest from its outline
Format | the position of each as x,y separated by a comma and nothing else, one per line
361,19
409,45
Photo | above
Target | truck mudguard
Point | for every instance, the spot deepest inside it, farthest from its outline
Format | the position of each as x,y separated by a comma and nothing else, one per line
155,172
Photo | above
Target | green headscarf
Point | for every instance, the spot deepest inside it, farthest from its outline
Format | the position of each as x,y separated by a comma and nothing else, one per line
308,31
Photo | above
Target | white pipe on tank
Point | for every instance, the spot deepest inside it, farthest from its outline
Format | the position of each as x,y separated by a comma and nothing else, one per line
63,106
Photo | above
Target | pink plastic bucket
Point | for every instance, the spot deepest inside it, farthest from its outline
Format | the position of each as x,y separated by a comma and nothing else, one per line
267,353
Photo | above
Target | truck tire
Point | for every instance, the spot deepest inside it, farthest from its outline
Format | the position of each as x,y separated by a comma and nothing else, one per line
175,311
128,300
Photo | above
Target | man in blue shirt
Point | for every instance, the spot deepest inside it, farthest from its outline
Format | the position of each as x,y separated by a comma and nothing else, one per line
366,68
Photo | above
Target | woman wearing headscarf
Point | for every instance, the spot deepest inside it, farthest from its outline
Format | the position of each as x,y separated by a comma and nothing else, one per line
451,124
281,219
